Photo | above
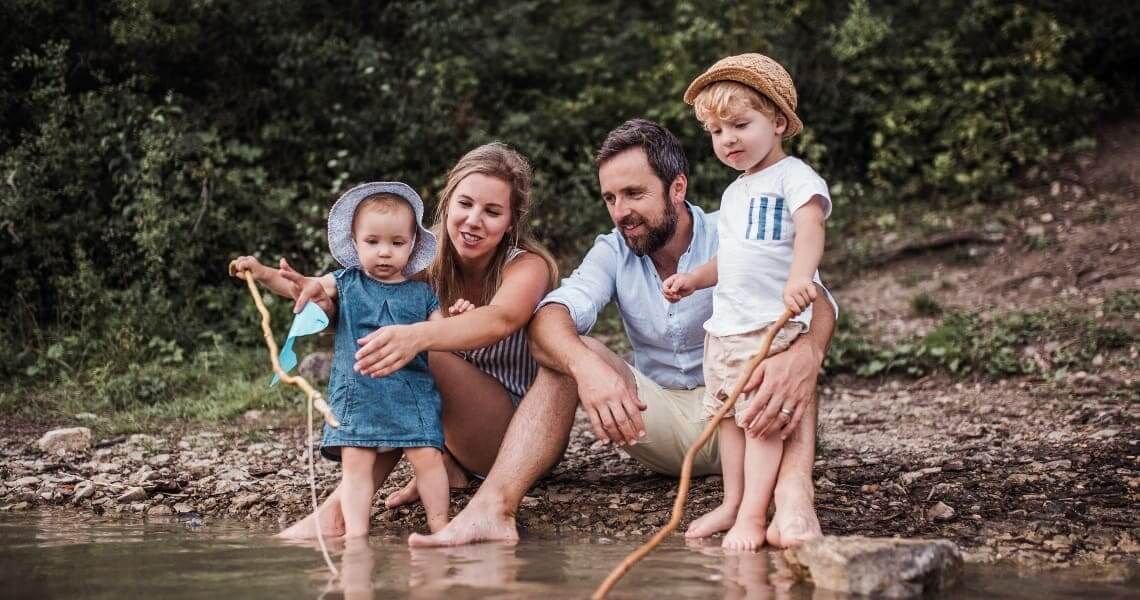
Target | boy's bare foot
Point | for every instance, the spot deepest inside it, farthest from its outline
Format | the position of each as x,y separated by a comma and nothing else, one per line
746,535
717,520
456,480
476,523
794,522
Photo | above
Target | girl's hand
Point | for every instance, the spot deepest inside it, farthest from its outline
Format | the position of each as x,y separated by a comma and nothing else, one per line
306,289
678,286
461,306
241,264
799,294
387,349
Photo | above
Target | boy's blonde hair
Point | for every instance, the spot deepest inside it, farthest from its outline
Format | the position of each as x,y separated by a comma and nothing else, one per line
726,99
384,203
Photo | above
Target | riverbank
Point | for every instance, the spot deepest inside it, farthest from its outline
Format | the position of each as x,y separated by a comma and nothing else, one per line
1042,479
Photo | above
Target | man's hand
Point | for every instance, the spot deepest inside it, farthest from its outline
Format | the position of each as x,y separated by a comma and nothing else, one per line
678,286
785,383
306,289
614,409
799,293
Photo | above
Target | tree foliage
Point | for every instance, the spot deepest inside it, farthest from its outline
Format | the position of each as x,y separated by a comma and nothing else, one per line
143,143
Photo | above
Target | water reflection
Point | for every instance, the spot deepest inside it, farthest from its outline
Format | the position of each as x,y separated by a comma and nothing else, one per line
46,557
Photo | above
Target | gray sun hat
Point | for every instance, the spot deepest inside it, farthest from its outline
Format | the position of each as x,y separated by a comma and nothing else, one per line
340,225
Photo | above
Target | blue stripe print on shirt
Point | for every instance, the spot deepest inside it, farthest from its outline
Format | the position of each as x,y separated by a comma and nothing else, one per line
777,218
763,218
751,207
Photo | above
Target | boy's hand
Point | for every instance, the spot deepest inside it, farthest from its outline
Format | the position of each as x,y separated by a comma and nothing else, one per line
246,263
461,306
799,294
678,286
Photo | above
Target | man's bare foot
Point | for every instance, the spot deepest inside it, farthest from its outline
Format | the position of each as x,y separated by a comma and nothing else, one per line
473,524
456,480
794,522
332,523
746,535
717,520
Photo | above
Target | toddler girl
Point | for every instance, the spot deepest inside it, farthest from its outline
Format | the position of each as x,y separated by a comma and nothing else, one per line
376,233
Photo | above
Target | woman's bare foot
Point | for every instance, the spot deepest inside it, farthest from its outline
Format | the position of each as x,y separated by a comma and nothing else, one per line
746,535
717,520
456,480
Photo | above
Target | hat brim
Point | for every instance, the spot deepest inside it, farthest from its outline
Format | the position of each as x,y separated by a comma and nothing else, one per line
749,78
344,209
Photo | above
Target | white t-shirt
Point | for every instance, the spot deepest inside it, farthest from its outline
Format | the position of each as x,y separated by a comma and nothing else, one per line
755,256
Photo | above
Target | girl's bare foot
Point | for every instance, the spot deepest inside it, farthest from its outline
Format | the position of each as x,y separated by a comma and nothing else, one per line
717,520
746,535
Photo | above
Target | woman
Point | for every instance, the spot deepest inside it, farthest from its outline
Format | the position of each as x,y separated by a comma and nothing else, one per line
480,359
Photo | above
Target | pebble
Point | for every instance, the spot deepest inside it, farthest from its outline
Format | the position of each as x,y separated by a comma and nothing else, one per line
27,481
159,509
134,493
245,501
183,508
940,512
84,490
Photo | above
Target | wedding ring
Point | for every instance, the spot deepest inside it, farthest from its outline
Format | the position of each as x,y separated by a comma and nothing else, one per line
787,413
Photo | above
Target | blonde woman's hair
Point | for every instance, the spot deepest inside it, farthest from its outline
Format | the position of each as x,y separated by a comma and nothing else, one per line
725,99
500,161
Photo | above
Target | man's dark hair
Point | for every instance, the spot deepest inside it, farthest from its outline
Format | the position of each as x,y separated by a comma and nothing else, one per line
666,156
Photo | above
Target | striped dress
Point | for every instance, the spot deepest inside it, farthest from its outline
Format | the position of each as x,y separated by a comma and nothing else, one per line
508,360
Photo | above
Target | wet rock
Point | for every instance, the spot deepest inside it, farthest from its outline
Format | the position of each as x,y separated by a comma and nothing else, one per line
26,482
940,512
83,491
132,494
245,501
160,510
183,508
888,568
62,441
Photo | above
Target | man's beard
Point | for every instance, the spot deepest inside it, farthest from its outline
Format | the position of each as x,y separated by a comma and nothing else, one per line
658,235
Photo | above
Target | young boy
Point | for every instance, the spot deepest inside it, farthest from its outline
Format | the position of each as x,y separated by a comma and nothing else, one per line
771,240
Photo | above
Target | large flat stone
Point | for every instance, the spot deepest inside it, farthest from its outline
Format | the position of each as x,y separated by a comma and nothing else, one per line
881,567
62,441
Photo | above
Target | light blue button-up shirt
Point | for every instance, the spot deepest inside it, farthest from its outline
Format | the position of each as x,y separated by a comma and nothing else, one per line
667,338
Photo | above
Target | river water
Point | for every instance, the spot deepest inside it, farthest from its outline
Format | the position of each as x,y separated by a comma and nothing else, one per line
55,556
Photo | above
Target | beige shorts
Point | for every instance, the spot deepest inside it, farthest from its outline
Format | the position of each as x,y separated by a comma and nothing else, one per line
672,423
726,356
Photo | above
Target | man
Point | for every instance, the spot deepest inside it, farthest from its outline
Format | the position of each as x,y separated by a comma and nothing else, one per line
651,409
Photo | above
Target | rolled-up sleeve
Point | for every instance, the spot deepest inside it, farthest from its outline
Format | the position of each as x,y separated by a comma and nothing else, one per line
590,287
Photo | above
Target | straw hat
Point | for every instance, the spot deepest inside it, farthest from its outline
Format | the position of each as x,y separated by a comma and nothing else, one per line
340,225
761,74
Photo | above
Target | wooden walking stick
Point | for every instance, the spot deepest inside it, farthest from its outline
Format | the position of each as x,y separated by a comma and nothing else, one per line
687,466
313,400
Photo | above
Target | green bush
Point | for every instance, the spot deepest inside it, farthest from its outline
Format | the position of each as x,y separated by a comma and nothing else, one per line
144,143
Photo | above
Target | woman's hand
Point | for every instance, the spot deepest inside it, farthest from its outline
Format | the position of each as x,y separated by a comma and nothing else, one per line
388,349
461,306
305,289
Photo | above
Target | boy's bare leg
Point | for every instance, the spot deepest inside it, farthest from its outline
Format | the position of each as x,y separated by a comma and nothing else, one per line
357,489
534,441
431,481
761,462
722,517
329,514
795,520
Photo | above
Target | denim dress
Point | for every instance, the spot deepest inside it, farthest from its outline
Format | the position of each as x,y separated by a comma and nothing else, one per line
401,410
